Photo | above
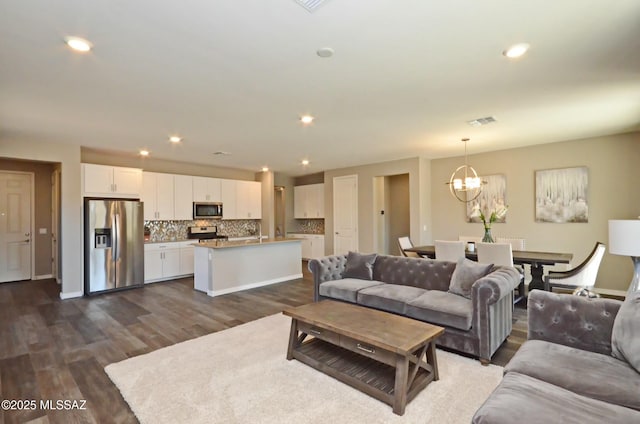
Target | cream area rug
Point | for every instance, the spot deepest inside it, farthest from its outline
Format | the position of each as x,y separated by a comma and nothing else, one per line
241,375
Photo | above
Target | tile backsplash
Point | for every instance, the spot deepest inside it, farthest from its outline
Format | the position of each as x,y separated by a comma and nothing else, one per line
160,231
309,226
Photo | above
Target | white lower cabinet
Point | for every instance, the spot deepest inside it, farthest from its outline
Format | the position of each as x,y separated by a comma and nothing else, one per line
312,245
186,260
166,261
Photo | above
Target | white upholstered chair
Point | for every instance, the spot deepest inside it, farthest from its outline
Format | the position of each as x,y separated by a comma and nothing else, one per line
516,243
584,275
501,254
471,239
405,243
449,250
495,253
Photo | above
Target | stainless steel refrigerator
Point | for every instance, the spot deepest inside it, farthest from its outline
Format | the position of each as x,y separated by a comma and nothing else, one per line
114,245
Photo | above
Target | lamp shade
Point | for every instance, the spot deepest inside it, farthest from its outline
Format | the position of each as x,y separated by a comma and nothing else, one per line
624,237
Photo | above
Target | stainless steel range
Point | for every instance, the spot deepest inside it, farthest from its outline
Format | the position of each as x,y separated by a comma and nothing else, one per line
204,234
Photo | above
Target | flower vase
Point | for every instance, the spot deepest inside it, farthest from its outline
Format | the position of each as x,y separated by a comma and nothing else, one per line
488,238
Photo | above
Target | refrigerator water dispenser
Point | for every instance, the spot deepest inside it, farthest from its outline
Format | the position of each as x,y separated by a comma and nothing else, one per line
102,239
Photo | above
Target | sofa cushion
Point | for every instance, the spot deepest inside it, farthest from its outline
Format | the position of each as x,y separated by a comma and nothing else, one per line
345,289
466,273
523,399
442,308
359,266
587,373
388,297
625,336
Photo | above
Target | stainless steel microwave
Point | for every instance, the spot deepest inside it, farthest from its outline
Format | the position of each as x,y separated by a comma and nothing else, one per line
207,210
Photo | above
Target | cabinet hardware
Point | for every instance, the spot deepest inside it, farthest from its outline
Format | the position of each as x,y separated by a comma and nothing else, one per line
314,331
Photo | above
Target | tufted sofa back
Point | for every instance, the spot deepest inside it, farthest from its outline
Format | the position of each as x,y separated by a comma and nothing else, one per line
422,273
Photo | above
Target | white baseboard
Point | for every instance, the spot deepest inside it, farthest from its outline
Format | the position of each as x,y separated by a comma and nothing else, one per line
71,295
214,293
42,277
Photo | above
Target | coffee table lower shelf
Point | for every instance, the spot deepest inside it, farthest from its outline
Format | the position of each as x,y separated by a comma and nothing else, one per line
365,374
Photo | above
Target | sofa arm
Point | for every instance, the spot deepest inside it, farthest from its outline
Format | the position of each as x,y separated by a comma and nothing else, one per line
495,285
326,269
576,321
492,299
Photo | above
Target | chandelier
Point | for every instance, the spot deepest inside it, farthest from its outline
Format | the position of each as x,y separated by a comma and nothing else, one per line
464,184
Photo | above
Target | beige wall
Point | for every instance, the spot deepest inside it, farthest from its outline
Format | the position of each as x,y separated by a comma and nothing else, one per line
418,181
288,183
71,201
41,210
317,178
613,193
268,208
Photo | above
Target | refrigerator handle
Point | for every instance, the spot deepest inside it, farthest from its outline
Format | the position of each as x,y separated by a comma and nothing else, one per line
115,230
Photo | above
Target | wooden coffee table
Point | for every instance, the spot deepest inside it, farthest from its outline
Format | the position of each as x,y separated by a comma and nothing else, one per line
378,353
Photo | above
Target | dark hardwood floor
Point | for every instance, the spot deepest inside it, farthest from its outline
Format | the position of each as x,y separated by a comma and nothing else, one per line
57,350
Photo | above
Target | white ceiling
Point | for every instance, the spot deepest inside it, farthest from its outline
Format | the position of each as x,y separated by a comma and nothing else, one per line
235,75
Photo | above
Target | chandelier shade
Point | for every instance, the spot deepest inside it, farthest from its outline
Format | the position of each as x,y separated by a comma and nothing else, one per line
465,184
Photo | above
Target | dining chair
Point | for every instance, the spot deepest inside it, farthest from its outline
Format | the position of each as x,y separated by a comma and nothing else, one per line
495,253
449,250
516,243
501,254
405,243
583,275
472,239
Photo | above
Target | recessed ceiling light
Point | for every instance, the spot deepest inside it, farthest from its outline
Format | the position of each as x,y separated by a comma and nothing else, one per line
306,119
175,139
305,162
78,44
325,52
265,168
144,152
517,50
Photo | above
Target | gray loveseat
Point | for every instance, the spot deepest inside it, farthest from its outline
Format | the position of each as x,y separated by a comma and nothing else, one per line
566,371
418,288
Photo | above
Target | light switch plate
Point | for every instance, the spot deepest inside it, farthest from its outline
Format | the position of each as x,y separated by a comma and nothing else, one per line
42,231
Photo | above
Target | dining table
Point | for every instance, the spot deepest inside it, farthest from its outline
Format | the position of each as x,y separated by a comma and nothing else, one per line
536,259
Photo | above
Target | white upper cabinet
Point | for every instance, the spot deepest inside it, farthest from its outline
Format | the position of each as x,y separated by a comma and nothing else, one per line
158,196
229,196
241,199
308,201
207,189
111,181
183,197
249,200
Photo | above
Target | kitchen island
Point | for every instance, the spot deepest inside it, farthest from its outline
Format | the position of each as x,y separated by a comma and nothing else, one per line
222,267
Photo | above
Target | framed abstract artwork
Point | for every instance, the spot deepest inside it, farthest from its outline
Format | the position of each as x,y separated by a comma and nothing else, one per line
561,195
492,198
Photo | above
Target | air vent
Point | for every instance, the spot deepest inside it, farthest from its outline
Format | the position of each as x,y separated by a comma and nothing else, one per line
221,153
310,5
481,121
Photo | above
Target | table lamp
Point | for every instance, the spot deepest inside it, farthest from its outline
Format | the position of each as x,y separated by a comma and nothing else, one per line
624,239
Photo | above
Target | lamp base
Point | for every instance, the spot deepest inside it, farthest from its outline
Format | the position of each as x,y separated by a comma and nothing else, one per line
635,282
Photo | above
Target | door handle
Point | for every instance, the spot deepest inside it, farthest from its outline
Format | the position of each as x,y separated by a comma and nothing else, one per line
26,241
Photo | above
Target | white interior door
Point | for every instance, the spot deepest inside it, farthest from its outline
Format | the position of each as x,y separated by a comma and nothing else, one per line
15,226
345,214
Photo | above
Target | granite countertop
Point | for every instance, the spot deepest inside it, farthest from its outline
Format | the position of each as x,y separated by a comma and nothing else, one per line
166,241
222,244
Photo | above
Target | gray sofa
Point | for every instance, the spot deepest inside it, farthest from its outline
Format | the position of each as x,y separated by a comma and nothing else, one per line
418,288
567,371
